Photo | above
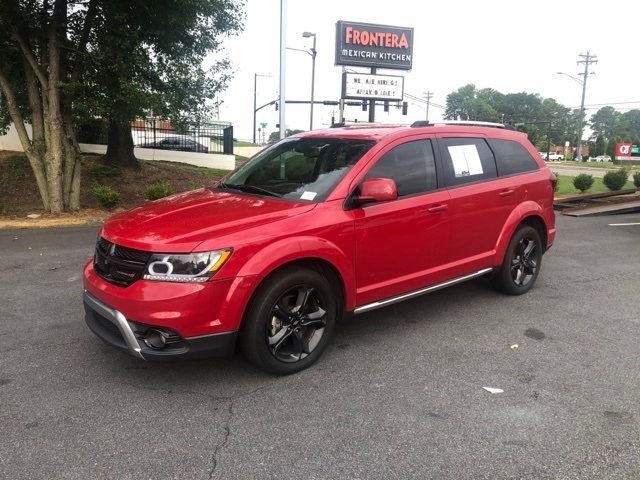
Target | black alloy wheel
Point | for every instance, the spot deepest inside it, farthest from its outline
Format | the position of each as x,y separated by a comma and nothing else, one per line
289,320
522,262
296,325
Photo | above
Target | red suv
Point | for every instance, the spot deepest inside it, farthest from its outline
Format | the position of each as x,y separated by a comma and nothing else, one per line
314,228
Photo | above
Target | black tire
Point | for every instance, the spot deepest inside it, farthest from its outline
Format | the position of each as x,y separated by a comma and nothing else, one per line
284,330
521,266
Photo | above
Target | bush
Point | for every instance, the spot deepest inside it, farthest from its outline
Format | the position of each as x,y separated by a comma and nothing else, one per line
3,208
636,179
158,190
106,196
109,171
615,179
583,182
555,187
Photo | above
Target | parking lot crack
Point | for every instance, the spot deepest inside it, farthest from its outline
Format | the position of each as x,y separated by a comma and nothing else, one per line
223,443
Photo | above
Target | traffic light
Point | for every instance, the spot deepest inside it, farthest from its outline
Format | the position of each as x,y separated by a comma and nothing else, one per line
386,105
405,107
277,106
364,105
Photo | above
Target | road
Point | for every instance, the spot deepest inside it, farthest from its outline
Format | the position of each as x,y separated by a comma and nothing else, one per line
397,395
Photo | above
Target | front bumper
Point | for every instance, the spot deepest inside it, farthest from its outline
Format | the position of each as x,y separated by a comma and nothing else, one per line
115,329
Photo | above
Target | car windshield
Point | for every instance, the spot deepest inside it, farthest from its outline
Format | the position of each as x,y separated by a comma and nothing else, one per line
298,168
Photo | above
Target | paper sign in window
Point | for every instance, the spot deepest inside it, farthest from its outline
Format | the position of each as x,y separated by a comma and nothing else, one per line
466,161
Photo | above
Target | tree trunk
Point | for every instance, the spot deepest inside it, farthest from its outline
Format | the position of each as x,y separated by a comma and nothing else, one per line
120,145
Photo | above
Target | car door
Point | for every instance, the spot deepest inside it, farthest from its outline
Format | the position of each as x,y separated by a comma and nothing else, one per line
480,201
401,243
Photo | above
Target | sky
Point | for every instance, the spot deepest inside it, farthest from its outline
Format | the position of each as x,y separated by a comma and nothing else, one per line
511,46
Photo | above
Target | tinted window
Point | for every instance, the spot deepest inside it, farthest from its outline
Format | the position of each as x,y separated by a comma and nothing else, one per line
299,168
511,157
467,160
410,165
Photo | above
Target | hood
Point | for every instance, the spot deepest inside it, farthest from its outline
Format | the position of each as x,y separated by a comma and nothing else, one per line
181,222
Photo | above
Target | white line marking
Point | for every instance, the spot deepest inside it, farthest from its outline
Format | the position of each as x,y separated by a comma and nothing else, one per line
623,224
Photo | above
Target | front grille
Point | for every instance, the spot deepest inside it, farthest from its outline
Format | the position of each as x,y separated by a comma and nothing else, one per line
117,264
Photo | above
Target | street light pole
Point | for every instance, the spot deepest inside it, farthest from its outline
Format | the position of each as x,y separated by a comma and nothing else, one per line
314,52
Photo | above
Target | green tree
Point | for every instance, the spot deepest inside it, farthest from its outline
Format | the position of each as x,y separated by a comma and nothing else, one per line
275,136
62,58
467,103
629,125
611,147
599,146
147,62
605,122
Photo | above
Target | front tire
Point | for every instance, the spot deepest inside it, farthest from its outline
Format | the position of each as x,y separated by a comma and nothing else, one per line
289,321
522,262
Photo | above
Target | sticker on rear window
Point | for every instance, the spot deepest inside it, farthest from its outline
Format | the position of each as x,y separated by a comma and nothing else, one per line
308,196
466,161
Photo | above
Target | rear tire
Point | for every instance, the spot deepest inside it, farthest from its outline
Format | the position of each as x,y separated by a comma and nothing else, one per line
289,321
521,264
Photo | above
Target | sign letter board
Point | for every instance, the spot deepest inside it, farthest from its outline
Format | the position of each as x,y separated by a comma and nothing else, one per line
367,86
376,46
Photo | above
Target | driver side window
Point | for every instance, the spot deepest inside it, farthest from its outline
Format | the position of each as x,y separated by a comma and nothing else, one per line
411,165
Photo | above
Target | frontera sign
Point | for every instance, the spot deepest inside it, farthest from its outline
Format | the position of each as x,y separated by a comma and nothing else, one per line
376,46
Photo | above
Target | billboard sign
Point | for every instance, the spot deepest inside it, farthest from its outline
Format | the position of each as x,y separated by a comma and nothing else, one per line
368,86
375,46
627,150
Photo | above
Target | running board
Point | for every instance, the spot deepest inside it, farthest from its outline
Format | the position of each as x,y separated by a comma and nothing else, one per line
416,293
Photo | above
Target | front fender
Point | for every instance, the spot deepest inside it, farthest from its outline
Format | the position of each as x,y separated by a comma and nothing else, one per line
522,211
291,249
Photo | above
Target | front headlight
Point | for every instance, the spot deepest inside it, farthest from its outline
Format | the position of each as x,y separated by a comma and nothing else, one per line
189,267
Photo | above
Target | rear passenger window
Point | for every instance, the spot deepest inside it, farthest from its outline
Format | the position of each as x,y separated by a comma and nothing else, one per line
411,165
511,157
467,160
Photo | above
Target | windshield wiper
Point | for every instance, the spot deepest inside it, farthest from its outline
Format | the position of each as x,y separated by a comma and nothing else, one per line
249,189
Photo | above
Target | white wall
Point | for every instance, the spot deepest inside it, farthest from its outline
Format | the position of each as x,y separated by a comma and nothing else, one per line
11,141
211,160
246,151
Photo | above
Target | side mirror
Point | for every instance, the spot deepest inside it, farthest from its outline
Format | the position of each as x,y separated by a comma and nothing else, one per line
375,190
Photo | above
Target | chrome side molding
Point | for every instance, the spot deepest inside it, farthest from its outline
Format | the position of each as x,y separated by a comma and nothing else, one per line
416,293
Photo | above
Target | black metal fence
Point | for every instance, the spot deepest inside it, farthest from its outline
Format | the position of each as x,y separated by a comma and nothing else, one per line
210,137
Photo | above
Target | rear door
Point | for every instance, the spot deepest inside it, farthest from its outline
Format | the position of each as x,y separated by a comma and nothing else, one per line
480,201
402,243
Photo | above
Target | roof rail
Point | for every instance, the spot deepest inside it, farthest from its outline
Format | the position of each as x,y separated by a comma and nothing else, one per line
469,123
366,125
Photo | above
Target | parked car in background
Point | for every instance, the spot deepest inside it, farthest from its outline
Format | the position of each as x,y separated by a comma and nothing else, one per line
320,226
543,155
555,156
178,144
601,158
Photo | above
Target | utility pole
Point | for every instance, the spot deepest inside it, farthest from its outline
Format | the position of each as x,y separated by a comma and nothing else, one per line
428,95
255,109
283,61
586,59
314,53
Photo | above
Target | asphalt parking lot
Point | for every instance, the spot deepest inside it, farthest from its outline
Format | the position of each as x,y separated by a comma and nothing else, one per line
397,395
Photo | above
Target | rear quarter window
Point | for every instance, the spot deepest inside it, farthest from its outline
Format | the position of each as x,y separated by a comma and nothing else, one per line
511,157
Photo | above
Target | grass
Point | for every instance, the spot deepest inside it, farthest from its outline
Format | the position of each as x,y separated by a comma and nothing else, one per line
571,163
242,143
565,186
211,172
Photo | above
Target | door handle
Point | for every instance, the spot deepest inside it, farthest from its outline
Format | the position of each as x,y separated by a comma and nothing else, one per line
437,208
506,193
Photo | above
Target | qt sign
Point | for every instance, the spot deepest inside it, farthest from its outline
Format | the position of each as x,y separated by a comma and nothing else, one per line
375,46
627,150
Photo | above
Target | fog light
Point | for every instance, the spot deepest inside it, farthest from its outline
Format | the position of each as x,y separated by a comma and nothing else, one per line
155,338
